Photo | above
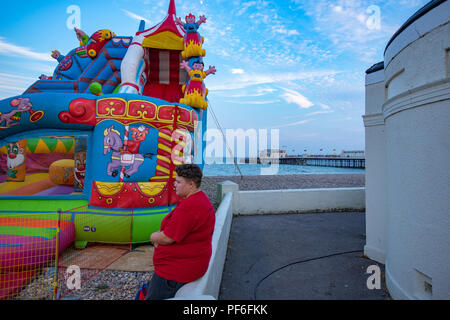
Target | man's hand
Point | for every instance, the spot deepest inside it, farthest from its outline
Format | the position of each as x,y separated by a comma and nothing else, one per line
159,237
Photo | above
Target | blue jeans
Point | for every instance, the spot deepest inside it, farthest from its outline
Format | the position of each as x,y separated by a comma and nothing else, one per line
160,288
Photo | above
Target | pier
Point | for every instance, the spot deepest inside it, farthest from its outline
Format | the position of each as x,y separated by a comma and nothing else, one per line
341,162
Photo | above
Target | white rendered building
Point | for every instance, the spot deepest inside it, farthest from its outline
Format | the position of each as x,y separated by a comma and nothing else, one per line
407,153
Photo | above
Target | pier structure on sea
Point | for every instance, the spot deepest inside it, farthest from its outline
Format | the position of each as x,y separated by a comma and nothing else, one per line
341,162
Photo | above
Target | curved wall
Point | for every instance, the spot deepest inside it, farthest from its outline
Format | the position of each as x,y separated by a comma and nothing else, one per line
416,114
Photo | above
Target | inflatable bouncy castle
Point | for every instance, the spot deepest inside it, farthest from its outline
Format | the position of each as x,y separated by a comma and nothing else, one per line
94,145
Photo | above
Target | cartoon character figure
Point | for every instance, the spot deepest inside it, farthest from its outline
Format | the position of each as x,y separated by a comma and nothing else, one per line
65,62
20,105
81,36
15,162
112,142
137,135
195,91
192,39
79,169
45,77
95,43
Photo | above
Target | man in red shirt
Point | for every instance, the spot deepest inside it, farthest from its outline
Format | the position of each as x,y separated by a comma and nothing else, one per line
183,245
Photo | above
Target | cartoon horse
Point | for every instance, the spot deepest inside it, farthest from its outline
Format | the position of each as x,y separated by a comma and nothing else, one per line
113,142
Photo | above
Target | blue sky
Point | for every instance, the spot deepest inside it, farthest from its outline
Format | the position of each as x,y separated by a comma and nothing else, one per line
293,65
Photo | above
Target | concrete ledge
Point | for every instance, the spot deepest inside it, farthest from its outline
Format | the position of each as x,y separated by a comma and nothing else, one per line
300,200
208,286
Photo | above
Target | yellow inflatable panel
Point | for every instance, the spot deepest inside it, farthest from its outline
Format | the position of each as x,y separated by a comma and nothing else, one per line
164,40
61,172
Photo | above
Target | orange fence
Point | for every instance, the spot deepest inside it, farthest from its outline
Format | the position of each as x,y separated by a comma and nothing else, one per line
88,256
28,253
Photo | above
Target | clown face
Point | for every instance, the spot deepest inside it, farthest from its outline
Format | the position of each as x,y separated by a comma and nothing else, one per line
190,18
197,66
80,168
15,156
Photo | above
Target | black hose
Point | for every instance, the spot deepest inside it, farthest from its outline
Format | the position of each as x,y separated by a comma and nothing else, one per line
297,262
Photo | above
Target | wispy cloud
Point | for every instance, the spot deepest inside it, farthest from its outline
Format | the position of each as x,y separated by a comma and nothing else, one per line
244,7
245,80
348,25
12,84
11,77
319,112
285,31
292,96
135,16
267,90
297,123
237,71
253,102
323,106
11,49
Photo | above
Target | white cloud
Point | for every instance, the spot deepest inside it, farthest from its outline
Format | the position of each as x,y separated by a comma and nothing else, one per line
244,7
15,50
283,30
292,124
269,90
237,71
13,85
251,79
135,16
345,23
292,96
10,77
253,102
319,112
306,135
324,106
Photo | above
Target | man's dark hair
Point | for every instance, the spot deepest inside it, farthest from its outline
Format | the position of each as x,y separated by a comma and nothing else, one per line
190,172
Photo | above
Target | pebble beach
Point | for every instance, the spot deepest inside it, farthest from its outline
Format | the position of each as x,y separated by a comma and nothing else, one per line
123,285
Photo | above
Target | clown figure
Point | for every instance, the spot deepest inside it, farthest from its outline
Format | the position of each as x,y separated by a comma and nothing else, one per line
195,91
192,39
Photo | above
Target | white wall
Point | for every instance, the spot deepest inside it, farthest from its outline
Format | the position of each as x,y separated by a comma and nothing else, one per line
375,147
293,200
299,200
417,117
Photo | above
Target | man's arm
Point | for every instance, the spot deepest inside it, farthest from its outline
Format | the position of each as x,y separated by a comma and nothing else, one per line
159,237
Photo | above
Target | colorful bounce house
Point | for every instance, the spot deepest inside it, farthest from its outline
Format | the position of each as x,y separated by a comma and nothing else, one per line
87,155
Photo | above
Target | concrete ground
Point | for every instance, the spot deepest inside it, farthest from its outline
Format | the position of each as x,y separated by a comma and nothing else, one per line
264,254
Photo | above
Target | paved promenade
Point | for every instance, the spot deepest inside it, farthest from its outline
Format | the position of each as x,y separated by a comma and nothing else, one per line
264,254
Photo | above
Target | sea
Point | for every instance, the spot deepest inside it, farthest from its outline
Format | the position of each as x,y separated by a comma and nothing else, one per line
211,169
